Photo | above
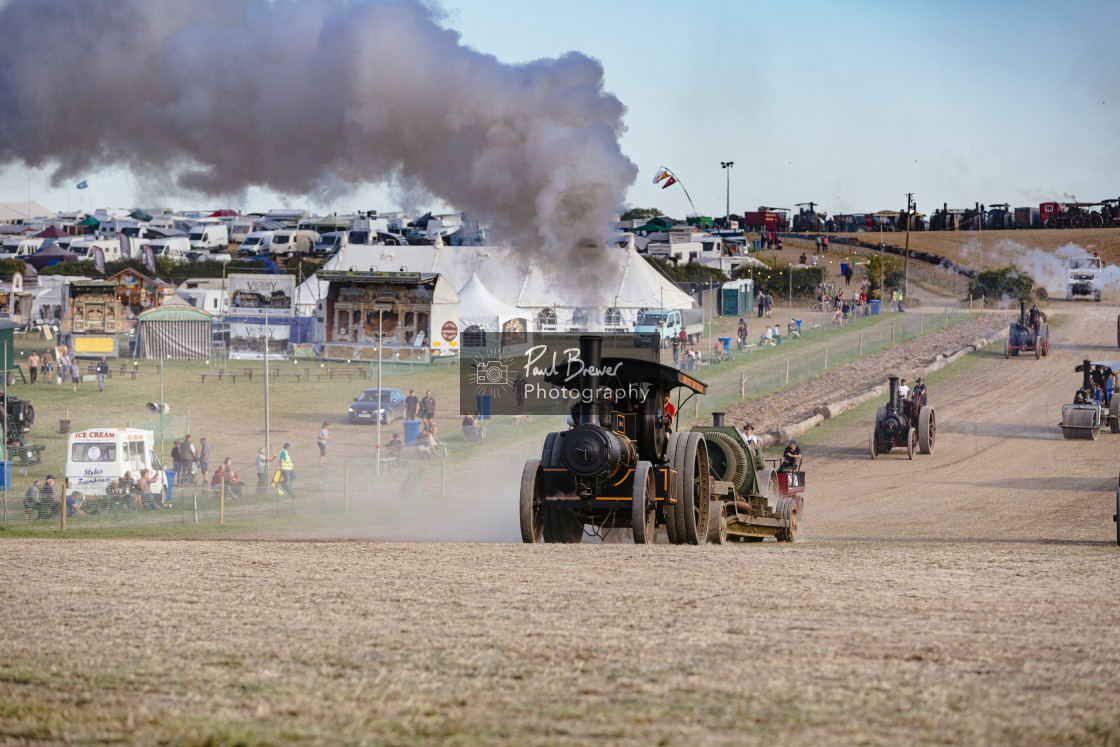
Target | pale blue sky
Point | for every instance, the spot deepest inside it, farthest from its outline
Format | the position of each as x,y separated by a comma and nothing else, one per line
849,104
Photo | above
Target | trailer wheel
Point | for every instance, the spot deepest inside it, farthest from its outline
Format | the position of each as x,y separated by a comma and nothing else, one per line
561,527
717,524
788,512
872,447
1114,414
911,443
927,429
691,463
643,512
1007,348
532,502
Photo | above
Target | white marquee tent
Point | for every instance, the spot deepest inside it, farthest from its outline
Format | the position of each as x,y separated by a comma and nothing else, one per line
623,287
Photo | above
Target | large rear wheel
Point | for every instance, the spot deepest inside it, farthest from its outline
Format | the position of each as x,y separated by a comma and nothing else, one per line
691,463
872,446
927,429
643,512
532,502
669,507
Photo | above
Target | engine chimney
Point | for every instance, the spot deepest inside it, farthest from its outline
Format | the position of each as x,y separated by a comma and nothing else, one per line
591,356
892,403
1086,382
717,419
1022,312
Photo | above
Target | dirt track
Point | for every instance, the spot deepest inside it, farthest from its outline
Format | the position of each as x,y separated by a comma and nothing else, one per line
967,596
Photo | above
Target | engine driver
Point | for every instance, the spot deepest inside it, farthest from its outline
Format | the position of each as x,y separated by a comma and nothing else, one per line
791,458
919,394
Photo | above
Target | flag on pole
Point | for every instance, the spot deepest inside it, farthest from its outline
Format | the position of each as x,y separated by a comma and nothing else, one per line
82,184
126,247
149,258
671,182
662,173
99,259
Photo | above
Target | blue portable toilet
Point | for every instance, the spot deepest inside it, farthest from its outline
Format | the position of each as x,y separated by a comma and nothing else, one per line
411,431
874,305
483,403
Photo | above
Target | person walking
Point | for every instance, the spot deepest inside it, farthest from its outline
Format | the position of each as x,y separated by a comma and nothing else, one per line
46,363
324,436
102,372
262,471
176,458
411,402
287,468
427,409
33,365
676,349
75,372
848,273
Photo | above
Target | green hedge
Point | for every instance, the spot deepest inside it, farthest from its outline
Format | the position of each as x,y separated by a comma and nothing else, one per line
1010,282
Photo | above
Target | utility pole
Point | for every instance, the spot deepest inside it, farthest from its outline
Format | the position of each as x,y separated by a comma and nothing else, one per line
726,166
906,260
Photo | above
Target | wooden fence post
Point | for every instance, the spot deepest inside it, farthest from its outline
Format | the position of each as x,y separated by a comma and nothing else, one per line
787,369
861,343
826,358
742,386
892,333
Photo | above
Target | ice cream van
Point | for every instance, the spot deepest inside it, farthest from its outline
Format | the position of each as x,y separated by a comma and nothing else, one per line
97,456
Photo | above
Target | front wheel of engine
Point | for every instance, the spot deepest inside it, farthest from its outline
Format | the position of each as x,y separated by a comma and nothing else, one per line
643,512
532,502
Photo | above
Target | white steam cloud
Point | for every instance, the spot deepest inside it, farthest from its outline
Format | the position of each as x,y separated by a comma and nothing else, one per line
1048,268
218,96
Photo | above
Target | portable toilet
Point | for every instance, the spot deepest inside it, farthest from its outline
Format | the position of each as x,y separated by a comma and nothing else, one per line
737,298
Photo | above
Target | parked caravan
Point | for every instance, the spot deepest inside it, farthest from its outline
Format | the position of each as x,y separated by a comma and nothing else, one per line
83,247
19,247
99,456
292,241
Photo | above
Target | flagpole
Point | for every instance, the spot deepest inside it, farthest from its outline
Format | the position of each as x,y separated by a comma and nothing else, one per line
678,179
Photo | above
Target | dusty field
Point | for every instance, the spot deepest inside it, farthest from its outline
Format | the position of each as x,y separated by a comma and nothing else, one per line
262,642
967,596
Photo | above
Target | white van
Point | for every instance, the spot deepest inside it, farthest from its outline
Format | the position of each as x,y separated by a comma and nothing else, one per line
209,237
96,457
329,243
20,247
256,242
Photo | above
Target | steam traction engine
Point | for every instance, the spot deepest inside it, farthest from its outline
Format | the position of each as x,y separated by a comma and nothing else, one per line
752,498
910,423
1095,403
1024,337
619,465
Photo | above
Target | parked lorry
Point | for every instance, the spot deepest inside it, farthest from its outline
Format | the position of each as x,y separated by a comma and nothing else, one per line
1083,277
668,323
766,219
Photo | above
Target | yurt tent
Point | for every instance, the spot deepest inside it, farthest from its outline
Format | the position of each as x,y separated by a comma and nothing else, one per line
174,331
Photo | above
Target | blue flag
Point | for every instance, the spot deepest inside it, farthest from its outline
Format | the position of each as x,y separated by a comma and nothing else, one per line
82,184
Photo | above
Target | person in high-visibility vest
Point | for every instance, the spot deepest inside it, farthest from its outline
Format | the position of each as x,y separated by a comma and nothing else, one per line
287,469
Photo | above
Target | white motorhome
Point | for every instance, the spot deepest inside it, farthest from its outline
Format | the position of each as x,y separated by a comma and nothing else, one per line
208,294
20,246
209,237
97,456
257,242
